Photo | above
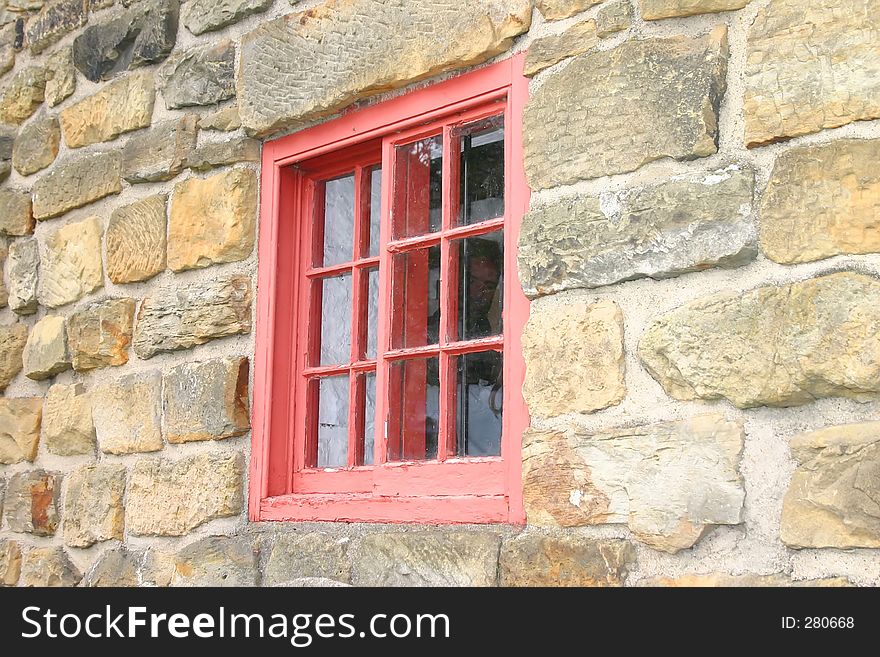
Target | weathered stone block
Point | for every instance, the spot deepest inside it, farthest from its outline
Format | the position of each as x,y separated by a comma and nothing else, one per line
13,338
124,566
182,318
773,346
547,51
555,9
49,566
200,76
644,113
206,401
45,353
210,156
22,95
68,428
225,120
93,510
171,498
823,201
31,504
832,499
143,35
22,272
99,335
56,18
10,562
16,216
427,558
36,146
217,561
297,556
212,220
653,10
128,414
120,106
577,367
534,560
311,64
160,153
810,67
70,263
19,428
202,16
683,225
614,17
60,77
670,482
77,181
136,240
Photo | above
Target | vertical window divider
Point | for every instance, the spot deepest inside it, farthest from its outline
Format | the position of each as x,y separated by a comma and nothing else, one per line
447,387
357,324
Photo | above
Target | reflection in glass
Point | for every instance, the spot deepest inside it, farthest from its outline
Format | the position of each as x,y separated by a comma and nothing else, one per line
338,220
480,263
480,170
415,300
333,422
418,190
335,319
372,312
369,381
413,422
375,174
478,396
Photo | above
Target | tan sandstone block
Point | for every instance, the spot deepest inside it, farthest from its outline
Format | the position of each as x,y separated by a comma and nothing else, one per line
70,263
136,240
45,353
19,428
68,428
128,414
99,335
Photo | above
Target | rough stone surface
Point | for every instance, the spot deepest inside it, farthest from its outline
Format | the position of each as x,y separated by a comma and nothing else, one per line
555,9
718,580
212,220
670,482
201,76
534,560
4,293
68,429
224,120
680,226
10,562
578,367
36,146
124,566
312,63
171,498
182,318
99,335
31,504
832,499
8,134
160,153
773,346
653,10
811,67
120,106
547,51
206,401
93,510
13,338
70,263
60,77
16,216
128,414
22,271
217,561
49,566
77,181
614,17
143,35
823,201
136,240
56,18
19,428
308,555
45,353
202,16
426,558
644,113
22,95
210,156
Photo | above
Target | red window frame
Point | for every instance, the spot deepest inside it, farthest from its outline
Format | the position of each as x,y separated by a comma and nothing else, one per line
448,490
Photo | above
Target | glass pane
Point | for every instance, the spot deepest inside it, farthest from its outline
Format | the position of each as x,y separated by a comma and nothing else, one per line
369,382
338,220
480,170
372,312
375,178
413,420
418,189
478,395
415,298
333,422
335,303
479,263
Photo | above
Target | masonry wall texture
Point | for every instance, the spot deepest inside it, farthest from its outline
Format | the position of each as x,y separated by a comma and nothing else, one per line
702,256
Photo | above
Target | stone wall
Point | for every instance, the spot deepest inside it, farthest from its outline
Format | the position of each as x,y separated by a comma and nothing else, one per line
702,253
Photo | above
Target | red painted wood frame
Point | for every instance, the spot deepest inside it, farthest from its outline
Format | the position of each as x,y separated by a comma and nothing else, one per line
446,490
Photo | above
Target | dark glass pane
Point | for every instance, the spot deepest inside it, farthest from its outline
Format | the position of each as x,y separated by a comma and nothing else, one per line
478,395
480,170
413,419
369,382
418,189
479,263
338,220
333,422
375,175
372,312
415,298
335,319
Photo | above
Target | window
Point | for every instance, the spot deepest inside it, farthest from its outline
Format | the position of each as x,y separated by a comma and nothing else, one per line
388,364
